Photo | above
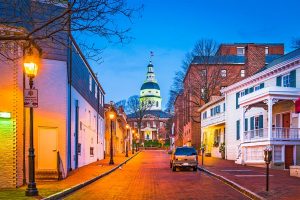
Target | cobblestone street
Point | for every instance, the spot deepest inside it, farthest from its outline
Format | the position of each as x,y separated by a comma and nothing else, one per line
148,176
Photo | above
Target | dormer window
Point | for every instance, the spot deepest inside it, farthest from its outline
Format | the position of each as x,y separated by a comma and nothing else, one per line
240,51
266,50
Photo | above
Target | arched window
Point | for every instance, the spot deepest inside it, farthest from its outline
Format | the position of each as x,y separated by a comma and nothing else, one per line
157,104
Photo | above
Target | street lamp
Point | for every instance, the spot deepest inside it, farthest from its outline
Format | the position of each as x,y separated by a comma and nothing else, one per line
127,129
132,141
111,117
268,159
31,69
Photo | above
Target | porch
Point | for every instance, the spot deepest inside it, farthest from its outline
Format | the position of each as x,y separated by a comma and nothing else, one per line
277,134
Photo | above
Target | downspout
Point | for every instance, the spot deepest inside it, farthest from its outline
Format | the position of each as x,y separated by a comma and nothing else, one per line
69,152
76,133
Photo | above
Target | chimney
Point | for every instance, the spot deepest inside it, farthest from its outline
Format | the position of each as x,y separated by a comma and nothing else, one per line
255,58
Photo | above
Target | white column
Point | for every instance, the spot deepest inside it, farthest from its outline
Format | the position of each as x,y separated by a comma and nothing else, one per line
299,120
270,106
242,129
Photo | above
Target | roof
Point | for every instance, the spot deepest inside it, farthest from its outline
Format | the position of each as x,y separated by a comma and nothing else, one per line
281,59
227,59
213,101
264,44
150,85
157,113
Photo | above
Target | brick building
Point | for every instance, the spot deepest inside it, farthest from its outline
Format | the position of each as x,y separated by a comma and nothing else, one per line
231,63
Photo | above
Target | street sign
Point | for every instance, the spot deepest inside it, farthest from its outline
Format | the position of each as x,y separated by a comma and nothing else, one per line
31,98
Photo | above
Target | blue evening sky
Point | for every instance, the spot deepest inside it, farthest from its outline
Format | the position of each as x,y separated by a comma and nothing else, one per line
170,29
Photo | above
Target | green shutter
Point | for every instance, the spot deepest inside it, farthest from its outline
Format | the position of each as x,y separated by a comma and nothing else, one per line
260,121
237,95
238,129
262,85
293,78
251,90
246,124
278,80
251,123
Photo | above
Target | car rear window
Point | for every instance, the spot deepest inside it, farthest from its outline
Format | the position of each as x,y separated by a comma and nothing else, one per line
185,151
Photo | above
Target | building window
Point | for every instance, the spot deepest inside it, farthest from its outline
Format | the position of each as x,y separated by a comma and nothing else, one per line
203,72
223,73
240,51
277,153
286,80
161,124
157,104
204,115
79,148
243,73
266,50
257,87
96,91
91,151
242,93
148,124
90,82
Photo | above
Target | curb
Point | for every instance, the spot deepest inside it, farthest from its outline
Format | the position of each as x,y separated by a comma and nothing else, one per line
234,185
72,189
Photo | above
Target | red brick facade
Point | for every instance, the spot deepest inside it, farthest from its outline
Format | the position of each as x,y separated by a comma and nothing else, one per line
252,60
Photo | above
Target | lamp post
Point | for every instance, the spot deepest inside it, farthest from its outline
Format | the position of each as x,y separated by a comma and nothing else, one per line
268,159
31,70
132,135
126,150
111,117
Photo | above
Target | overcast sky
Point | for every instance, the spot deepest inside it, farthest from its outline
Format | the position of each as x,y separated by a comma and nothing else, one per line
170,28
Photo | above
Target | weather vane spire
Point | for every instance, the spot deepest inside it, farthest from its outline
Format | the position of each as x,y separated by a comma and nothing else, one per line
151,55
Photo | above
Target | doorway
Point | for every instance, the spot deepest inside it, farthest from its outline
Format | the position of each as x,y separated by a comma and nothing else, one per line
47,148
289,156
286,119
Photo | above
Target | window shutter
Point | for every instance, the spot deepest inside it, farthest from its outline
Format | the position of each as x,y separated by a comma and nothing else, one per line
246,124
237,95
260,121
262,85
278,80
293,78
246,91
238,129
251,90
251,123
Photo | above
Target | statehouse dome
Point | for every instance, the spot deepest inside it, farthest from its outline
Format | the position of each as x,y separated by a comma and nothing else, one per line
150,85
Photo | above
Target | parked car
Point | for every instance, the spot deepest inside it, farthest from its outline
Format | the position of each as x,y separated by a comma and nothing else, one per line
184,157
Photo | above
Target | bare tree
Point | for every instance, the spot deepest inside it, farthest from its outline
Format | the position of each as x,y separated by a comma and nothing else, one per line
138,109
48,22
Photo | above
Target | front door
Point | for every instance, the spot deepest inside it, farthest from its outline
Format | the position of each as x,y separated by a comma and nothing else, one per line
289,154
47,148
286,117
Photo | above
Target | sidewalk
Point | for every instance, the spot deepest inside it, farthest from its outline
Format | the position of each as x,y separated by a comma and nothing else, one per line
281,184
85,173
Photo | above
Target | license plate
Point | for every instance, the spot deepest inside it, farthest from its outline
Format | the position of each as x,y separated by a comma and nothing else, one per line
185,164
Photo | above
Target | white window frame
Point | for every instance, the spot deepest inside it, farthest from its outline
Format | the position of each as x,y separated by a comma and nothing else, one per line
223,73
96,91
266,50
243,73
203,72
90,83
287,84
240,48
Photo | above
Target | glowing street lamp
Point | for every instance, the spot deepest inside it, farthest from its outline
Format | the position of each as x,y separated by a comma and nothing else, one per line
111,117
127,128
31,68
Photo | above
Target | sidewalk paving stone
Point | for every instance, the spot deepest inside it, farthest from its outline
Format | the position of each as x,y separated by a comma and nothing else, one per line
75,177
281,184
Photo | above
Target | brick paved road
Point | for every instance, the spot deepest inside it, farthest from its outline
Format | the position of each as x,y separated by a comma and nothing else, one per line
148,176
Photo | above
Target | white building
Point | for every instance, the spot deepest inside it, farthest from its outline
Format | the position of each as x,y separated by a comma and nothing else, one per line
260,111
